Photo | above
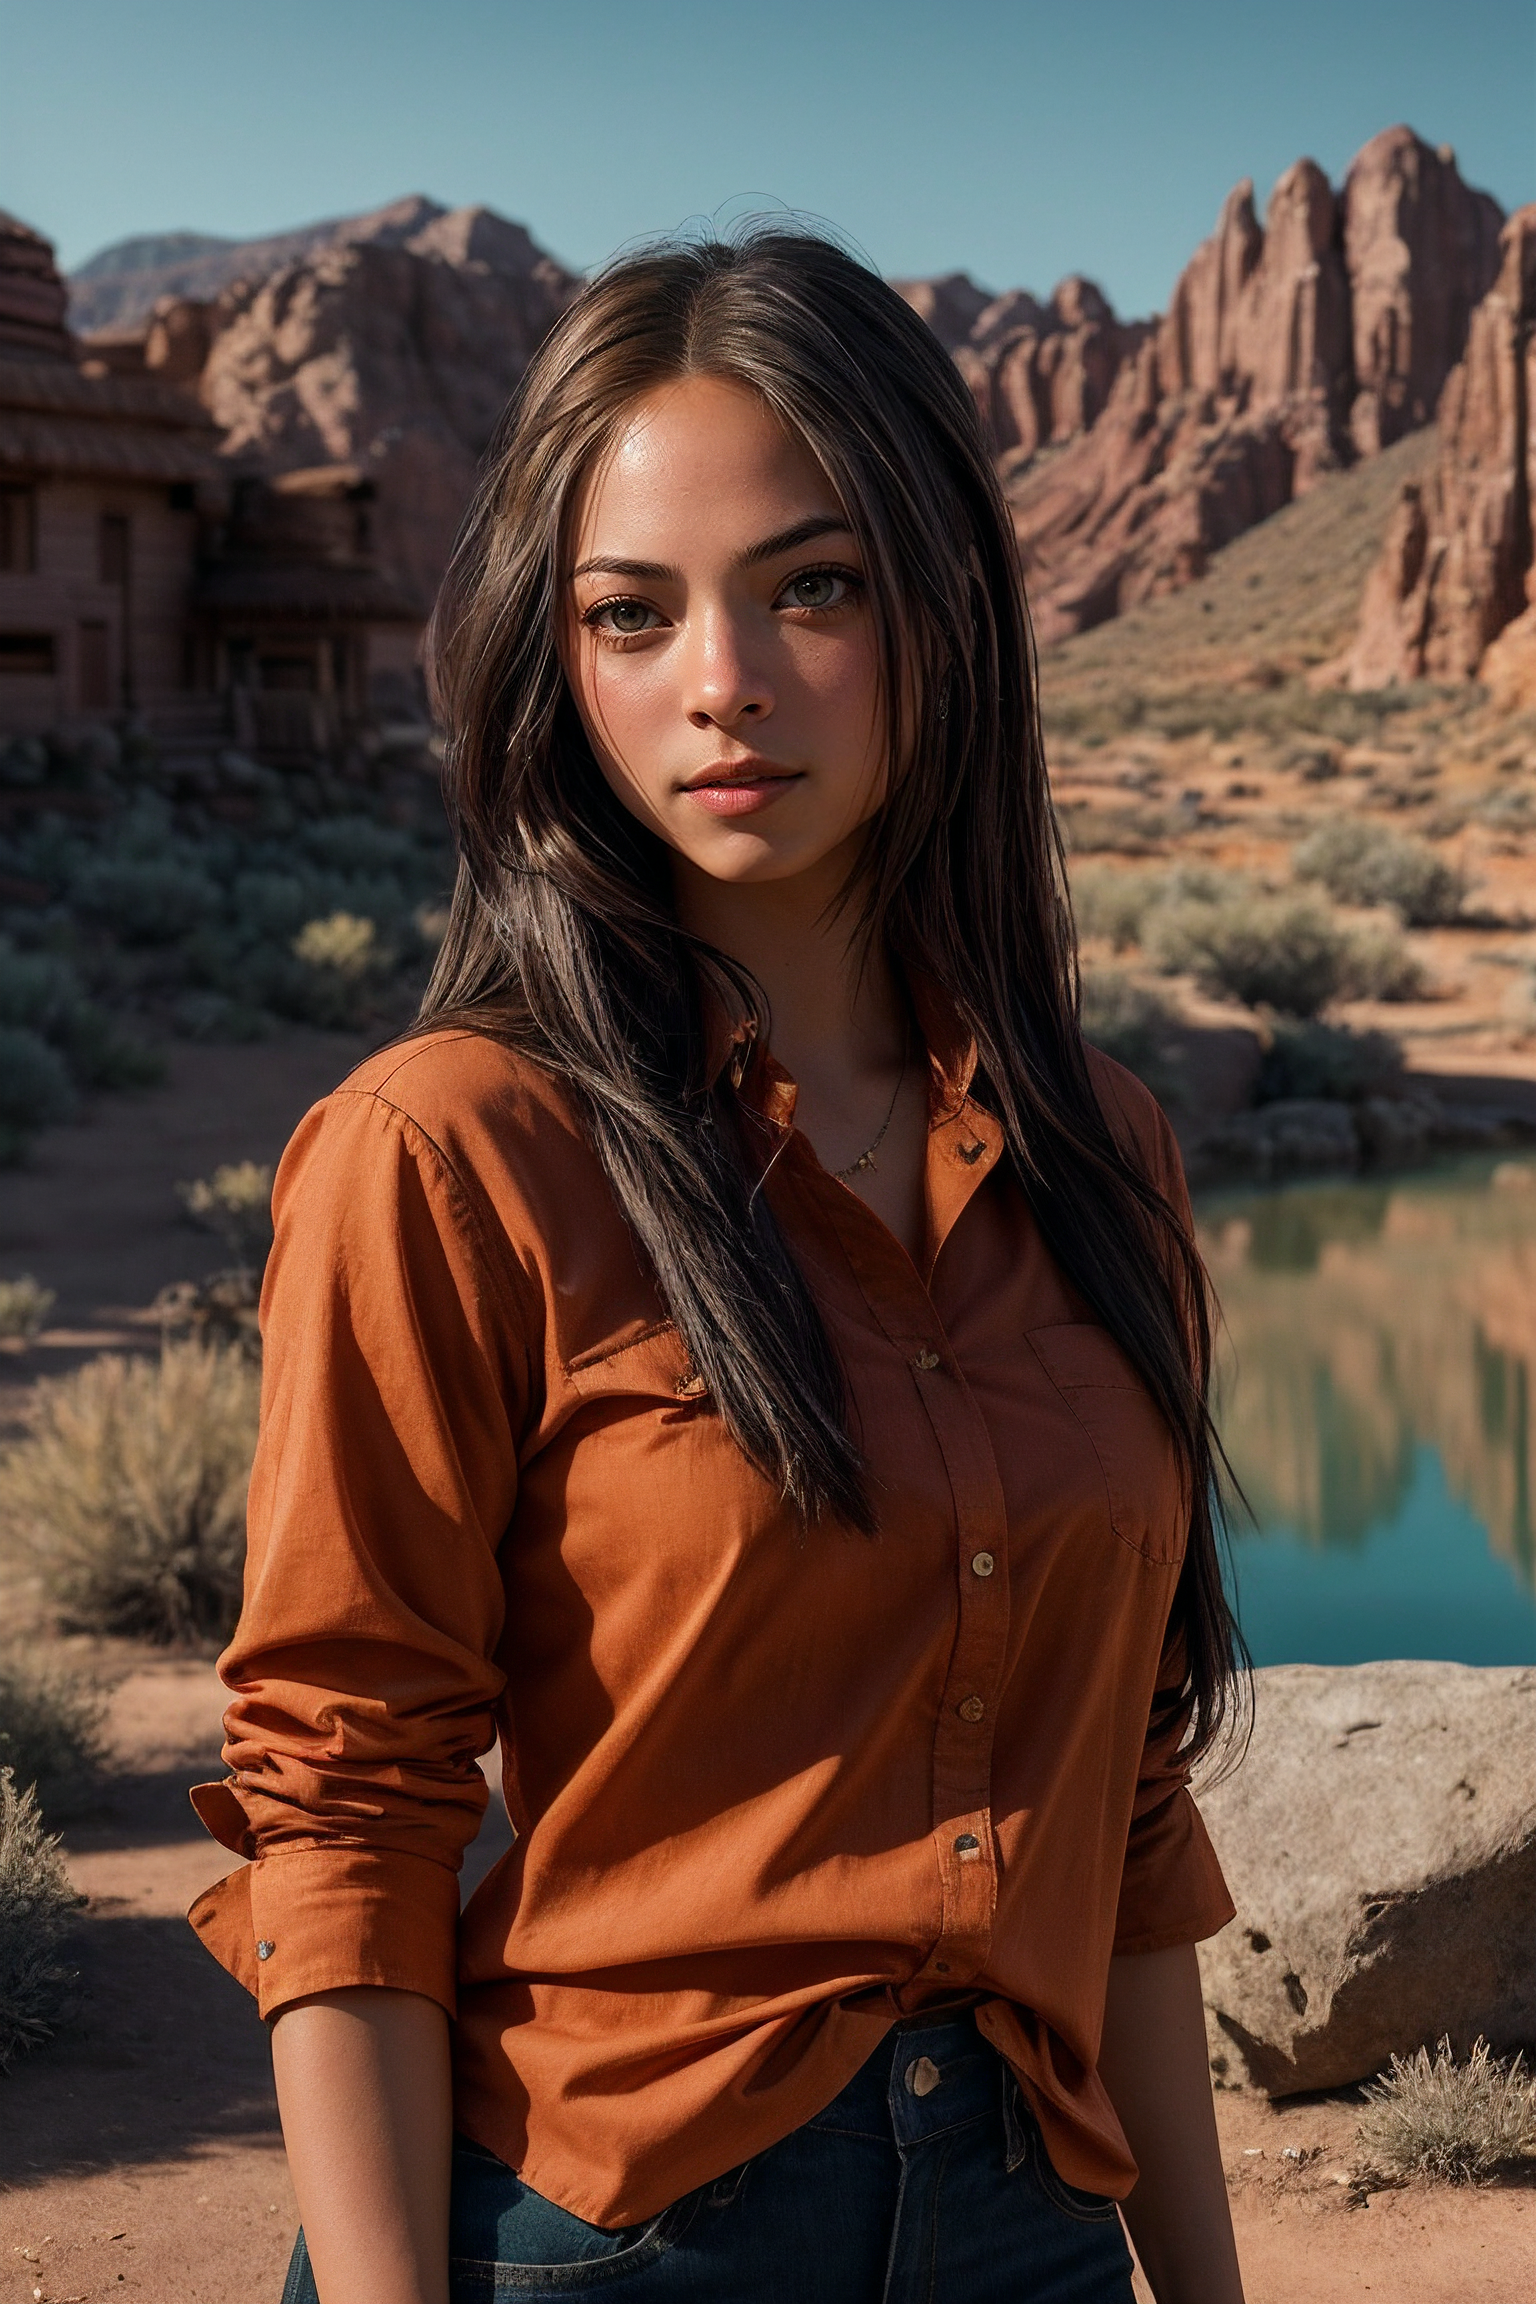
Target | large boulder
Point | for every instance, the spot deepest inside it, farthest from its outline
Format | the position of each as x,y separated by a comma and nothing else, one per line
1379,1839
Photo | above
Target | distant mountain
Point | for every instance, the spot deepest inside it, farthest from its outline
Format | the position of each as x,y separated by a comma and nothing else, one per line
1293,349
120,286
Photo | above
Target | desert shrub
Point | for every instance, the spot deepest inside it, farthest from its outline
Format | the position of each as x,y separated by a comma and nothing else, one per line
35,1088
1285,952
127,1496
1430,2116
1327,1060
1363,863
1113,904
1382,966
37,991
24,1305
1133,1023
100,1056
145,900
235,1202
339,964
42,993
355,844
345,944
50,1734
36,1901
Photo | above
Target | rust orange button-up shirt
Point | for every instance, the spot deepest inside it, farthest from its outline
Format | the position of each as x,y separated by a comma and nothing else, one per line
771,1787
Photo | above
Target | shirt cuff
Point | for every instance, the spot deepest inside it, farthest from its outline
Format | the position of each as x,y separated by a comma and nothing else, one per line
1173,1891
322,1919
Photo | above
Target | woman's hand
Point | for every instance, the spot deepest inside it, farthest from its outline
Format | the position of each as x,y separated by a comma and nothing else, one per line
1154,2063
363,2087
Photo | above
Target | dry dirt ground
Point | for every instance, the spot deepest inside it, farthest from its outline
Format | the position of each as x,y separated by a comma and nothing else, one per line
139,2151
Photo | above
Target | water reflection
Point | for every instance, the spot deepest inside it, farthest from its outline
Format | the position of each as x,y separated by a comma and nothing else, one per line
1375,1397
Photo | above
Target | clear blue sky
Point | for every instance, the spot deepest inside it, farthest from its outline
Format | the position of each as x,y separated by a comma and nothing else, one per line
1010,138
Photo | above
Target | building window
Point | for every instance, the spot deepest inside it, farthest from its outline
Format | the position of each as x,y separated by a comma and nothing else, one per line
26,655
115,542
18,531
95,669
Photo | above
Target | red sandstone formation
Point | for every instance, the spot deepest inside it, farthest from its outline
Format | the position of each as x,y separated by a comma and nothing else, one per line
1454,591
1287,349
1422,250
393,358
1130,451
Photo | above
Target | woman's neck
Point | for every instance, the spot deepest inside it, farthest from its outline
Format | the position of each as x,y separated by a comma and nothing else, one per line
839,1017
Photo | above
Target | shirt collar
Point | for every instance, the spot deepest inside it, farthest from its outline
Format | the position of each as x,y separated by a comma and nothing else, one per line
731,1045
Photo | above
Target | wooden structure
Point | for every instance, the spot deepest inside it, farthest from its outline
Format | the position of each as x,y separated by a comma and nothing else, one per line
142,577
102,478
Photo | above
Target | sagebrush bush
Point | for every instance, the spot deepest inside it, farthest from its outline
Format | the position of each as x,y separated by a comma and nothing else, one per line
143,900
1134,1024
235,1202
1114,904
1456,2123
1284,952
24,1305
35,1088
37,991
342,942
1327,1060
36,1901
127,1495
1382,966
1363,863
43,994
50,1733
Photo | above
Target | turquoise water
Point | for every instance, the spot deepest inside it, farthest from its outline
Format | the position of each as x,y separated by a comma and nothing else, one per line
1422,1583
1375,1389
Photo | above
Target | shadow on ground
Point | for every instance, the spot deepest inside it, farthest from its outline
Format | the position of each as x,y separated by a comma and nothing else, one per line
160,2054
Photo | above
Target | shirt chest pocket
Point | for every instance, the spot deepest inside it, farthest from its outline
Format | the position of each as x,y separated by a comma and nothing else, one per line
648,1372
1148,1503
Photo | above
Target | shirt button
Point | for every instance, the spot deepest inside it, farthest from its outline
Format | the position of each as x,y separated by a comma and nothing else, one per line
966,1843
265,1948
982,1563
926,1361
972,1709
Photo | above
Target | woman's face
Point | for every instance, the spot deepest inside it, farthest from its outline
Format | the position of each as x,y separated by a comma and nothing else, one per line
719,637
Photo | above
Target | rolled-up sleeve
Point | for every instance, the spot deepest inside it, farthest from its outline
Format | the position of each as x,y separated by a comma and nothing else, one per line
394,1383
1171,1889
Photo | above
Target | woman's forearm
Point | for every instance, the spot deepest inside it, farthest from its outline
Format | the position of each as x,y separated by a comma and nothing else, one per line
1154,2063
363,2088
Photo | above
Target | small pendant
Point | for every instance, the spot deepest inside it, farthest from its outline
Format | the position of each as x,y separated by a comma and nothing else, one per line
865,1160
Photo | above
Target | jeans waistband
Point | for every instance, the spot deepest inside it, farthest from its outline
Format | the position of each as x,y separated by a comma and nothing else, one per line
924,2079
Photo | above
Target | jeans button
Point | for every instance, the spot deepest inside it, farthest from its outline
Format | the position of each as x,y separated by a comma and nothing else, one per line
923,2076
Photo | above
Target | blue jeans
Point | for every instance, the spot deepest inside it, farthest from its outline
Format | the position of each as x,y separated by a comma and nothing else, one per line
890,2196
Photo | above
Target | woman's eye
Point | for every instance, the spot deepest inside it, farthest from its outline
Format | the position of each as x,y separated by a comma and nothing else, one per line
623,618
817,588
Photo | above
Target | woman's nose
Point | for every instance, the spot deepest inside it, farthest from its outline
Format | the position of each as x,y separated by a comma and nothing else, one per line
723,683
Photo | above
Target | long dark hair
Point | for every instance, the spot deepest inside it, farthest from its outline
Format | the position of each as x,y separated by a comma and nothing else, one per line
563,937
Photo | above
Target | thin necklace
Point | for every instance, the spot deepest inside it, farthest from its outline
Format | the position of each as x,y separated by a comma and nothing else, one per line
866,1159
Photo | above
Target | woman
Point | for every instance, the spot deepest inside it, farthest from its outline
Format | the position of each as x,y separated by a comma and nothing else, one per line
745,1353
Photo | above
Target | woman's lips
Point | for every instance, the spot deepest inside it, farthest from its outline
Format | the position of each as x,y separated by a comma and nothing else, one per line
740,795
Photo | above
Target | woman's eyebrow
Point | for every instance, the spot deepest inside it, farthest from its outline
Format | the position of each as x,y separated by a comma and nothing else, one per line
770,548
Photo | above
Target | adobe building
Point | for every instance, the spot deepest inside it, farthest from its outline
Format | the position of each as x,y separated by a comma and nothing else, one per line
299,630
140,576
100,485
